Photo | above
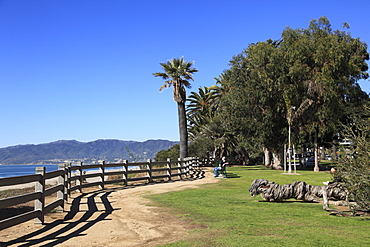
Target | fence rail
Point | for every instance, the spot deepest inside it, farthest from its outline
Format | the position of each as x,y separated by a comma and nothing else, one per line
75,177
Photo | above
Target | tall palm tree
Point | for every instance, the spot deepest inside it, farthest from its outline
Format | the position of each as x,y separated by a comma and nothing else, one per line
177,73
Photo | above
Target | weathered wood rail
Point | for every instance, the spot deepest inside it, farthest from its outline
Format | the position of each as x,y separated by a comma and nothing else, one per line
75,177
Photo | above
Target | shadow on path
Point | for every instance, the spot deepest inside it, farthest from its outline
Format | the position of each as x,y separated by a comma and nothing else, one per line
198,174
74,228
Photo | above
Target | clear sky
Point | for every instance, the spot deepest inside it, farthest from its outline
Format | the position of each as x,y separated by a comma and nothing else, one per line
82,69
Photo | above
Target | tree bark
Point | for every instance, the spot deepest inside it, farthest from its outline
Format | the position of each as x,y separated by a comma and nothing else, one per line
267,157
316,153
276,161
183,130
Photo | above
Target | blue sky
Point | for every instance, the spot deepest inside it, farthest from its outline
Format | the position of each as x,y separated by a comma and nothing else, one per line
82,69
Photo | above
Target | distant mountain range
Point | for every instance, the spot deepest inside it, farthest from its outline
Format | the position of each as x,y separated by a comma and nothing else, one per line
87,152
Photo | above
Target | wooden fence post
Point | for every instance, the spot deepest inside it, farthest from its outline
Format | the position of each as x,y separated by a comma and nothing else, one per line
125,169
187,166
60,194
150,180
67,191
40,187
184,167
193,163
79,177
169,172
179,170
102,174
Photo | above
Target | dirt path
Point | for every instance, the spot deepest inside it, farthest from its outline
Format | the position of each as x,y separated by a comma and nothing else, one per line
112,217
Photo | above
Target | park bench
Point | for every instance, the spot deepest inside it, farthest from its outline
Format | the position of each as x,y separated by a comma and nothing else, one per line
222,171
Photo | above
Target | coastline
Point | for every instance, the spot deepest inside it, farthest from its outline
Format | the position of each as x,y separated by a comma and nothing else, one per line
52,181
7,171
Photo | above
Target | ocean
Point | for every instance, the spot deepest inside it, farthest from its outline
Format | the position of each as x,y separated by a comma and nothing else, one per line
22,170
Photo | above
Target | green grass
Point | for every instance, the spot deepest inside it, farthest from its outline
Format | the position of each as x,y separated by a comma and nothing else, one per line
231,217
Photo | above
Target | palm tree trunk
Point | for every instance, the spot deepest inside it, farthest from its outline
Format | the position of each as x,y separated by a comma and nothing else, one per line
183,130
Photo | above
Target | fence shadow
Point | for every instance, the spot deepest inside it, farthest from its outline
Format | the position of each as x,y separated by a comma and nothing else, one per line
198,174
75,177
14,211
76,226
89,218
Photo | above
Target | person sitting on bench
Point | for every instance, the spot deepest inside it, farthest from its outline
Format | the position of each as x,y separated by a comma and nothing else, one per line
221,167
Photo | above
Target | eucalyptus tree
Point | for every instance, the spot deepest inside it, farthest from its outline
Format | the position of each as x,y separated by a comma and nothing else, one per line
177,74
325,65
304,80
253,104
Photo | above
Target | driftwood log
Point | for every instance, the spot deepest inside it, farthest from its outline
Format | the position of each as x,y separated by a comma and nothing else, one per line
299,190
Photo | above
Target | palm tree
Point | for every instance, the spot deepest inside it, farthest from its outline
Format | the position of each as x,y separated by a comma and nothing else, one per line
177,73
204,121
201,108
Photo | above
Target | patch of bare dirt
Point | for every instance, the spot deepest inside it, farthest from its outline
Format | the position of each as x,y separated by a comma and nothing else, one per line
116,216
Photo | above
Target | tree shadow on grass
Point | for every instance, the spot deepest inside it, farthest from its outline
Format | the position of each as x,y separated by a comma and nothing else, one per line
289,202
232,175
78,226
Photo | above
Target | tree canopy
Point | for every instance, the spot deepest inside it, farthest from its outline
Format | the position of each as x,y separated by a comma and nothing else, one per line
307,79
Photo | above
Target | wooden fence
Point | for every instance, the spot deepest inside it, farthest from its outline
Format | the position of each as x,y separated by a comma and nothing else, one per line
75,177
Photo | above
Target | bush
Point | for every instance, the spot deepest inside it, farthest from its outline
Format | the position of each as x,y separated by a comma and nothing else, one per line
173,153
353,166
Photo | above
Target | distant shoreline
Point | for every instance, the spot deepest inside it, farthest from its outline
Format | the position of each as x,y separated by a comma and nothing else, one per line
52,181
23,170
66,151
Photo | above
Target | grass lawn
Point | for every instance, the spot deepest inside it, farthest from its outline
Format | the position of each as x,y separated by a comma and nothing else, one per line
231,217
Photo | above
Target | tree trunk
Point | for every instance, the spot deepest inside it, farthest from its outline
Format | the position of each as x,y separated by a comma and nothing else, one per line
183,130
316,153
267,157
276,163
334,152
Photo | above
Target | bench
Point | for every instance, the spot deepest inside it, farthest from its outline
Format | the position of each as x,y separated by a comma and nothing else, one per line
222,172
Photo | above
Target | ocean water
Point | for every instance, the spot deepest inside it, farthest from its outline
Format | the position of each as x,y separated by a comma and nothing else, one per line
22,170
